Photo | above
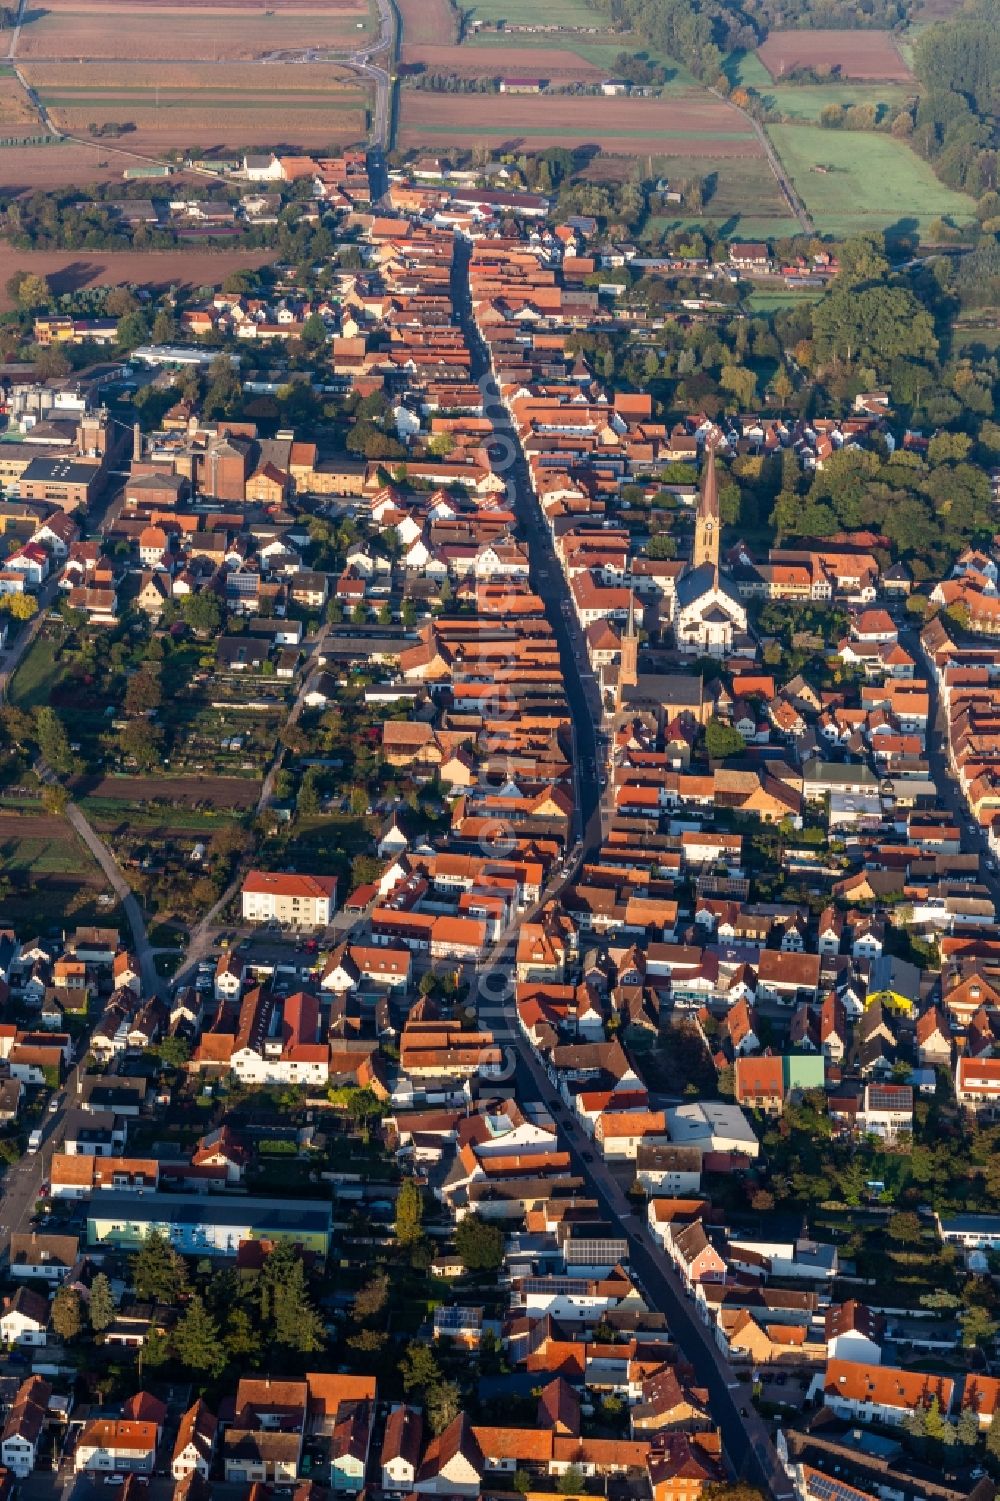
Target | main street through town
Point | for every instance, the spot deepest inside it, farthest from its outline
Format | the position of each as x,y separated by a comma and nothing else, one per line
748,1446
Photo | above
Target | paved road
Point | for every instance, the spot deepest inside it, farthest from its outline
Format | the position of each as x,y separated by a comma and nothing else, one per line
747,1443
22,1182
581,689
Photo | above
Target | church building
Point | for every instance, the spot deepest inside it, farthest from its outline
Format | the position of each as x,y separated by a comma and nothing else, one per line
709,619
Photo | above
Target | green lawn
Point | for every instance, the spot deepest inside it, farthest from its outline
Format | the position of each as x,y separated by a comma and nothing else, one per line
804,101
600,50
741,196
747,69
37,674
871,182
769,302
529,13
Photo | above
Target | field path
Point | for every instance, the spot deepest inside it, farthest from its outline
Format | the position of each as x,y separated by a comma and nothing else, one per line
781,177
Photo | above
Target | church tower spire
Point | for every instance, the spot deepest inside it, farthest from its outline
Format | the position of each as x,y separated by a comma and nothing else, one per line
628,671
707,524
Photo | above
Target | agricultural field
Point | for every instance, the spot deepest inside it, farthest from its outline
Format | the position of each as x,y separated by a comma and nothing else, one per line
76,34
67,270
556,13
862,55
553,63
805,101
427,22
742,197
47,875
58,164
869,181
17,117
690,125
282,105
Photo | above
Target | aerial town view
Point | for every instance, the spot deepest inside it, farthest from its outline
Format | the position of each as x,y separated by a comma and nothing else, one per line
500,750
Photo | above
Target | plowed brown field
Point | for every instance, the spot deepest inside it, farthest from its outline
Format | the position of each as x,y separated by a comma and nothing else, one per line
854,54
66,270
428,21
685,125
80,33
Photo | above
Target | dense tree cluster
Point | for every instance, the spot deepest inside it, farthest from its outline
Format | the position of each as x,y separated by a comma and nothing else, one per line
955,127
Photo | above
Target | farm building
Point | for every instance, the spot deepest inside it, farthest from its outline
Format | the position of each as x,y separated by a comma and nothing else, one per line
522,85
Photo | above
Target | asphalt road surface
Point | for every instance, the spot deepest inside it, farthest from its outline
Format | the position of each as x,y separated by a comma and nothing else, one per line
547,580
748,1447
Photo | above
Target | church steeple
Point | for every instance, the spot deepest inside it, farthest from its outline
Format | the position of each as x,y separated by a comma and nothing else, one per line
707,524
628,672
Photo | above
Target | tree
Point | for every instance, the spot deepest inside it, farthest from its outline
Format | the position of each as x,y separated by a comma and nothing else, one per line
67,1313
313,333
156,1350
22,606
173,1052
285,1302
159,1274
371,1298
196,1340
721,740
419,1369
131,331
967,1429
443,1402
522,1482
363,1107
409,1213
742,383
307,801
140,742
142,693
977,1325
51,363
202,613
164,327
102,1304
904,1228
33,292
241,1336
55,799
225,389
479,1244
571,1482
53,742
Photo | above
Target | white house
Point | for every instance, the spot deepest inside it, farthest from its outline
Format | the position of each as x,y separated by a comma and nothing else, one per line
25,1319
23,1428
